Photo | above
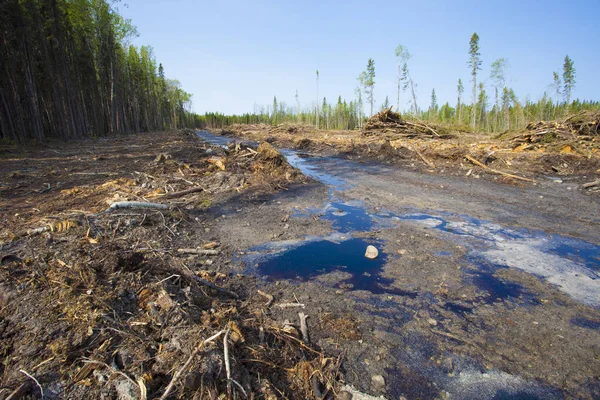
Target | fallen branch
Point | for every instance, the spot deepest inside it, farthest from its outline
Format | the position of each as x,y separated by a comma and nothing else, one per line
226,358
135,204
304,327
422,125
201,252
187,364
35,380
268,296
182,193
218,289
425,160
591,184
572,116
495,171
288,305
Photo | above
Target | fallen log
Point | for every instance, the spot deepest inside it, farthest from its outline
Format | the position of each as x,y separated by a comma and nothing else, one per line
304,327
425,160
201,252
135,204
591,184
182,193
495,171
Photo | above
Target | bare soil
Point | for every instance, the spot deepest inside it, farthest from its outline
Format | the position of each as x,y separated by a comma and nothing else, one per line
103,305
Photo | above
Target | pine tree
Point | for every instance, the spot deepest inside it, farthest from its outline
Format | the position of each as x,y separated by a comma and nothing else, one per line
475,65
568,79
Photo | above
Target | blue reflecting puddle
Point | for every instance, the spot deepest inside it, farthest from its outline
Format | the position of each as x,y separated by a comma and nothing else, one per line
321,257
583,322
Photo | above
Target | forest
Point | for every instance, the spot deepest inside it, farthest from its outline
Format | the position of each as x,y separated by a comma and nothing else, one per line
491,112
68,70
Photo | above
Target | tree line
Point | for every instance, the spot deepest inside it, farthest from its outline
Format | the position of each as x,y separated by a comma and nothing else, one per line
498,111
67,70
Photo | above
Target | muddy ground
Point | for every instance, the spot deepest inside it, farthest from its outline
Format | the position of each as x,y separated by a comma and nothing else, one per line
561,150
104,304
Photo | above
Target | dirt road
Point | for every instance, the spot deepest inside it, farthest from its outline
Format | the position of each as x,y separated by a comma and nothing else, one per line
481,289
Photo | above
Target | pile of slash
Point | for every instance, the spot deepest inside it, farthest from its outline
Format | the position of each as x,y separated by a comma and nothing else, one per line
112,284
388,121
577,134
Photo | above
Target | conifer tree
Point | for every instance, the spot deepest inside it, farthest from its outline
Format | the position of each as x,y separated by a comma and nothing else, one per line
475,65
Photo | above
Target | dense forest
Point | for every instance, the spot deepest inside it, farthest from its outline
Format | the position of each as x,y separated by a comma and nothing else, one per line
495,110
67,70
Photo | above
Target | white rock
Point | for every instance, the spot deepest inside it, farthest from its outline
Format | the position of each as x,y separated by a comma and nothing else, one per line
378,383
371,252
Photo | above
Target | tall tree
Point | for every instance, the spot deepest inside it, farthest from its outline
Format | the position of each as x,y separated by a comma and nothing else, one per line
475,65
568,78
367,81
433,107
317,110
297,106
409,83
460,88
556,86
403,56
498,76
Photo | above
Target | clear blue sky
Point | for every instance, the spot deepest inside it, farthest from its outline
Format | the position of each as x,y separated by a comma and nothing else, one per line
233,54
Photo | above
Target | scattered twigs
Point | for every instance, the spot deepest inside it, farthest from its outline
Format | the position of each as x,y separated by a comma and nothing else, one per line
201,252
111,369
591,184
495,171
182,193
268,296
304,327
135,205
187,364
35,380
289,305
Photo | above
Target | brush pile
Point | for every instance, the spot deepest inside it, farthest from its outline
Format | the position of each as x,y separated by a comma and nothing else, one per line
579,132
390,123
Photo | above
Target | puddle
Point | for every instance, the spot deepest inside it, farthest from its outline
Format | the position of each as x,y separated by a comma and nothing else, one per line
583,322
324,256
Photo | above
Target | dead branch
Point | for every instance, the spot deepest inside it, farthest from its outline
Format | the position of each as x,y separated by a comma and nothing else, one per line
226,358
591,184
201,252
212,286
35,380
288,305
182,193
425,160
268,296
422,125
304,327
135,205
573,116
495,171
187,364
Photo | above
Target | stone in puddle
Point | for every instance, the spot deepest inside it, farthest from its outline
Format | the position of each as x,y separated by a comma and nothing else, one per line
377,383
371,252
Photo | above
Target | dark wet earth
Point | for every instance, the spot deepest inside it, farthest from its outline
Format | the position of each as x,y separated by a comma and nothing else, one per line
478,290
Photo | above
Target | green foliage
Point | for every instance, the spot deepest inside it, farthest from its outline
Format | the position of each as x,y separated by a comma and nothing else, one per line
68,71
568,78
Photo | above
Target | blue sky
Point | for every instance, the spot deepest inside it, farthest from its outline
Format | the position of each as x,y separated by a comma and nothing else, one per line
232,55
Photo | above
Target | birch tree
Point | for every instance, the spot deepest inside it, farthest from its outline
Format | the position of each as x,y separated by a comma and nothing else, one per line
460,89
403,56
